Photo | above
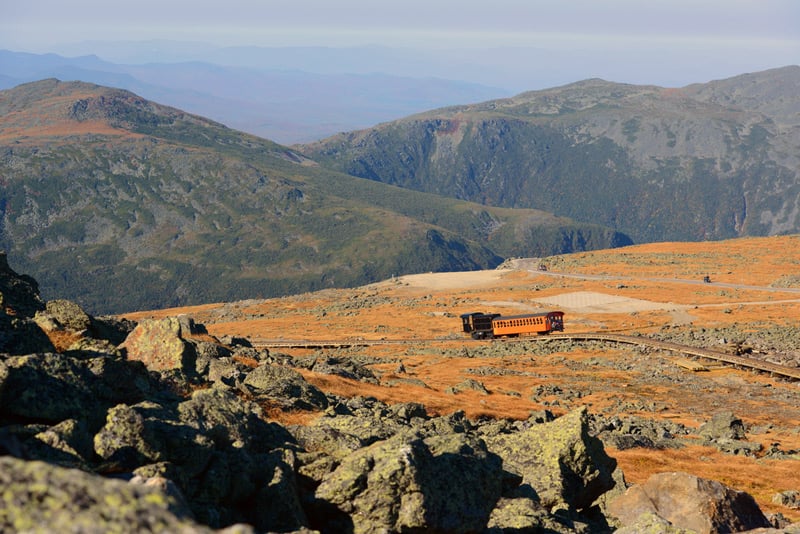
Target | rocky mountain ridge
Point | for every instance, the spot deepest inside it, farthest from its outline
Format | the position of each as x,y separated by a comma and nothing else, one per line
707,161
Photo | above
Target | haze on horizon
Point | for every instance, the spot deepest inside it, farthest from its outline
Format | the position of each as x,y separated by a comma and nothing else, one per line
518,44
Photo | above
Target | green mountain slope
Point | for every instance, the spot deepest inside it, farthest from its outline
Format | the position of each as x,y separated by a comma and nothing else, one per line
120,204
708,161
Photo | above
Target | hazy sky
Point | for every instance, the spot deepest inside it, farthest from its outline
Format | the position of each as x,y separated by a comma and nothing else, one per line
746,34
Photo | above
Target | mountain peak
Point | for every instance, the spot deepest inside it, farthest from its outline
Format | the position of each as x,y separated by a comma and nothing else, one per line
47,108
56,109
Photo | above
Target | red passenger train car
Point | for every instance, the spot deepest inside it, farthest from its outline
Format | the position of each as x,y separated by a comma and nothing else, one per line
490,325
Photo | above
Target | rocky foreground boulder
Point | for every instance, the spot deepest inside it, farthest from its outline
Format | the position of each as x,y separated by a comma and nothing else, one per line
38,497
692,503
164,430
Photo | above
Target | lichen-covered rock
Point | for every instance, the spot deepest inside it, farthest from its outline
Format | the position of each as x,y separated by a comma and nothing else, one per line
788,498
113,329
19,294
447,484
87,347
468,384
38,497
455,422
20,336
68,444
408,411
650,523
148,433
723,425
286,386
276,505
229,464
344,367
46,387
66,315
689,502
222,371
463,485
341,434
96,335
632,431
357,422
213,363
321,437
120,381
565,466
54,387
160,346
726,432
522,514
221,415
260,490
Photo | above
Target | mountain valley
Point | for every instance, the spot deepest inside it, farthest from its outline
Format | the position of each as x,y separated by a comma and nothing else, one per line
103,190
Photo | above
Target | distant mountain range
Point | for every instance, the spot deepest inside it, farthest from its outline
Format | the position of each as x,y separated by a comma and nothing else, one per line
262,92
704,162
120,204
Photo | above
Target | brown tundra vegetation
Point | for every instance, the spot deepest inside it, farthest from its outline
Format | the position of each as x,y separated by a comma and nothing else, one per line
750,305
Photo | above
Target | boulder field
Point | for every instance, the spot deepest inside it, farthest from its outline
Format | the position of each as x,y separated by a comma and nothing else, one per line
111,426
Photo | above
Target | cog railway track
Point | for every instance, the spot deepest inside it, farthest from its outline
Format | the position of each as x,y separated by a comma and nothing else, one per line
739,362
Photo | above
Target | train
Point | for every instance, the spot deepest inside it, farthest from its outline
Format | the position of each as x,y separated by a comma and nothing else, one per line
491,325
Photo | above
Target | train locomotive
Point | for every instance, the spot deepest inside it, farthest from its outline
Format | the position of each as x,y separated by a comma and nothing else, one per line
491,325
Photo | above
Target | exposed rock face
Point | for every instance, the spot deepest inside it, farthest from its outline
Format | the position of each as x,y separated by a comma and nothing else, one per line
406,483
559,461
692,503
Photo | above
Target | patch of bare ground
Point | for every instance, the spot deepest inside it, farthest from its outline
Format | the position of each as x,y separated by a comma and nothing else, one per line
650,290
